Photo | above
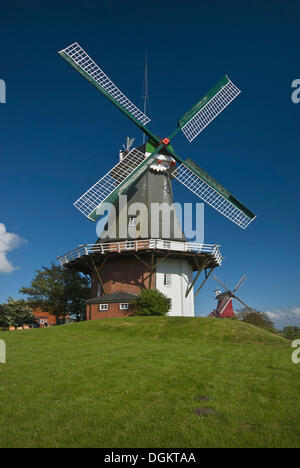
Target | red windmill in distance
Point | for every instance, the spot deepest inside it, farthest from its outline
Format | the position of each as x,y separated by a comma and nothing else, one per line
224,308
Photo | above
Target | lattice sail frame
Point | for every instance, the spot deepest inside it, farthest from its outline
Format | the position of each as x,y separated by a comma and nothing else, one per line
192,124
212,197
82,62
115,182
210,107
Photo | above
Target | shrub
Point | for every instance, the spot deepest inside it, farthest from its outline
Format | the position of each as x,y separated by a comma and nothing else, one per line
259,319
151,302
15,312
291,333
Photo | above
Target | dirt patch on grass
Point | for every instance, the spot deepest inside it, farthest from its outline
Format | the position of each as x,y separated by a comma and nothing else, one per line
203,398
205,411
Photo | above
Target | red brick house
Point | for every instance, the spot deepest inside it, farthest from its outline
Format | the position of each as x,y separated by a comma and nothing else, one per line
45,319
117,304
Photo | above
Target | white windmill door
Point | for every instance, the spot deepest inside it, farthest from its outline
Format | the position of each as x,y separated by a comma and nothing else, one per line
173,277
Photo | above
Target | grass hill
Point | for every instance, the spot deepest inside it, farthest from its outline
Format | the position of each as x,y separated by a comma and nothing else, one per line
149,382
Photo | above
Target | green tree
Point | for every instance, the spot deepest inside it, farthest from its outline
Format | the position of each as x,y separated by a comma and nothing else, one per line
259,319
151,302
59,291
16,313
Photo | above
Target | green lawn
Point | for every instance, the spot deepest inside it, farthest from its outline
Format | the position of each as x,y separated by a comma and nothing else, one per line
144,382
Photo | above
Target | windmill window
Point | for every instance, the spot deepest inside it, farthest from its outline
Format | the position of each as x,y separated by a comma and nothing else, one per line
132,221
124,306
167,279
103,306
129,245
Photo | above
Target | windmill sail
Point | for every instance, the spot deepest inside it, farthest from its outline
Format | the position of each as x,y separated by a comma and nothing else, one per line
220,282
114,183
240,283
84,64
120,178
243,303
209,190
210,106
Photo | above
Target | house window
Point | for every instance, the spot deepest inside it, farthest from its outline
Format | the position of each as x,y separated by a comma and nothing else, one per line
167,279
124,306
43,322
103,306
132,221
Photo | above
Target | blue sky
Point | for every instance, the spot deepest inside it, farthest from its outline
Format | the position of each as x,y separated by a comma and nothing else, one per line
58,135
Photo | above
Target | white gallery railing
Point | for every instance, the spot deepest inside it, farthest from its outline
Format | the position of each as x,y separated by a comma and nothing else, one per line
141,244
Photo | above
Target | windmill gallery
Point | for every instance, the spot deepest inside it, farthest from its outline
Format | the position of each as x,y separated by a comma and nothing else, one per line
146,254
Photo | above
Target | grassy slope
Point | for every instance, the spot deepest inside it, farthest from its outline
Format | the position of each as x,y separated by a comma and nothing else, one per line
136,382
